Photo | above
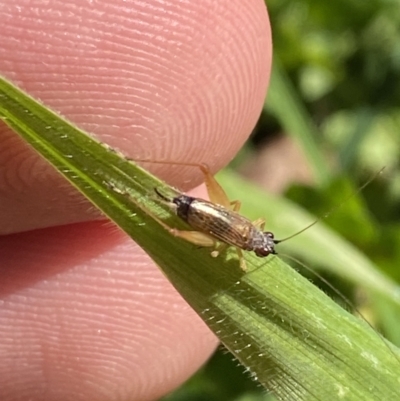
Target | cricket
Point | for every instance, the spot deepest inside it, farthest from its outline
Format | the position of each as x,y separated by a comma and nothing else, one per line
217,223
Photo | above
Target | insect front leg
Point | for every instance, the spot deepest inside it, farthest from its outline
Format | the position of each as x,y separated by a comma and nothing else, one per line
235,205
242,260
259,223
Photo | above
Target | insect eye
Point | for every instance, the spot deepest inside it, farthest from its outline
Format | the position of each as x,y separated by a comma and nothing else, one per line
269,234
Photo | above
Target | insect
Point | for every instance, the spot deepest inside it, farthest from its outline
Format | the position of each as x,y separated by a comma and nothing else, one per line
217,223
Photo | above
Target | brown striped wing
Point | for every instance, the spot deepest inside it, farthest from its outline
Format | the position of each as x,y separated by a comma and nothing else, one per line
223,224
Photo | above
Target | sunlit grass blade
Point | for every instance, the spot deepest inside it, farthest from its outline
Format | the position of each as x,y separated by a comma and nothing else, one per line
295,340
319,245
351,148
284,103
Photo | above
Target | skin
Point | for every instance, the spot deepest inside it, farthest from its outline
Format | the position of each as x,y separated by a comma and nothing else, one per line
84,313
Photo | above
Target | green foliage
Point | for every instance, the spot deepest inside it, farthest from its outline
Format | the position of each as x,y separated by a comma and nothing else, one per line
286,332
343,58
333,91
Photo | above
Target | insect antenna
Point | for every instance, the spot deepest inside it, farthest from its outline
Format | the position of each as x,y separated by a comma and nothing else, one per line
334,209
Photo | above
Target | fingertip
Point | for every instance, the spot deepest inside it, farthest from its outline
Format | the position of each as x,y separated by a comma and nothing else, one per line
85,314
167,80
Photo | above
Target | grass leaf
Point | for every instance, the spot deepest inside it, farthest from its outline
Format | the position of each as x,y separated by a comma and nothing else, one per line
288,108
295,340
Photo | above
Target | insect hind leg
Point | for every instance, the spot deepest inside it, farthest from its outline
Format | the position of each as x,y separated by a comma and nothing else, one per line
215,192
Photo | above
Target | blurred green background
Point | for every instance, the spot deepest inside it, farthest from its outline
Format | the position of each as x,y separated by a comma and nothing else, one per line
333,109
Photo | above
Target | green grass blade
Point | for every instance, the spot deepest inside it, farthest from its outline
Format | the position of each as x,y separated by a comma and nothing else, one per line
296,341
284,103
319,245
351,147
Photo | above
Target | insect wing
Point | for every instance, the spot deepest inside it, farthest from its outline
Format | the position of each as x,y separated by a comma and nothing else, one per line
225,225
